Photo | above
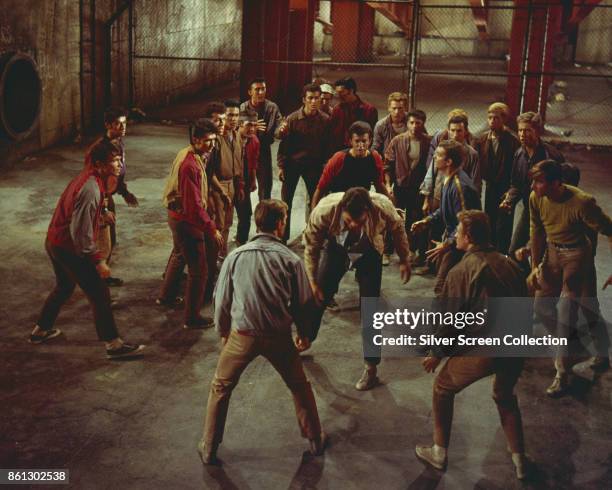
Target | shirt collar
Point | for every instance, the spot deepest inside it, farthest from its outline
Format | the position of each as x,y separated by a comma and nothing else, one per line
265,235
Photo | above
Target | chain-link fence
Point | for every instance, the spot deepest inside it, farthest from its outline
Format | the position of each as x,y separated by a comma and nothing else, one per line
443,53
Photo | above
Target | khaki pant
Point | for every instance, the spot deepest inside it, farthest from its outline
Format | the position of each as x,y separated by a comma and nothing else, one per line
565,275
236,355
459,373
223,212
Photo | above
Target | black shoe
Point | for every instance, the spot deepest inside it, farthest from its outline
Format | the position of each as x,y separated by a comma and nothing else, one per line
113,282
200,323
176,303
318,445
208,455
47,335
125,351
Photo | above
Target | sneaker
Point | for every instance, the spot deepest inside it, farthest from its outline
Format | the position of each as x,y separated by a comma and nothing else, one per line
318,445
175,303
47,335
429,455
558,387
596,363
113,282
522,465
208,455
125,351
386,259
368,380
200,323
422,271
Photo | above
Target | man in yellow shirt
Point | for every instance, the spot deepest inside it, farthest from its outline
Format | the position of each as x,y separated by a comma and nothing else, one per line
563,264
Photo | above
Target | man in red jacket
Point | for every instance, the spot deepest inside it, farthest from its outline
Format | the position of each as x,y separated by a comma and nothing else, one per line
71,246
250,159
185,196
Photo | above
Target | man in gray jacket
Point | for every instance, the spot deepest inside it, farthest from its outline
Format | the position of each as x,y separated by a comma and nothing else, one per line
261,291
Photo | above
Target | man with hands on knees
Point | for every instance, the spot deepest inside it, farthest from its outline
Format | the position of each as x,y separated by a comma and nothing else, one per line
254,311
71,246
346,231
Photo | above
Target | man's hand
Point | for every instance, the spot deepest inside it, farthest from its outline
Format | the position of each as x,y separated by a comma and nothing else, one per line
218,237
302,343
405,271
532,280
426,206
108,218
439,249
419,226
225,198
240,195
281,174
131,200
505,206
223,341
430,363
282,129
103,269
254,185
608,282
261,125
522,254
317,292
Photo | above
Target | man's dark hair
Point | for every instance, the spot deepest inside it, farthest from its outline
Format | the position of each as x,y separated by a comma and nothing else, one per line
201,127
550,169
458,120
248,116
232,103
268,213
256,80
102,152
571,174
113,113
360,128
418,114
215,107
356,201
311,87
476,226
348,83
454,151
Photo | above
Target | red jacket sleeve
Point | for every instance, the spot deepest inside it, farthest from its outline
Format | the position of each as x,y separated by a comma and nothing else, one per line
331,170
190,183
380,168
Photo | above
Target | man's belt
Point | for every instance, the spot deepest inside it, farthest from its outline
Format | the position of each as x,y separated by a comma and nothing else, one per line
567,246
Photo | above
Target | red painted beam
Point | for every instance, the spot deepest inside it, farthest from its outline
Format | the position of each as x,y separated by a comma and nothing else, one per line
581,11
353,31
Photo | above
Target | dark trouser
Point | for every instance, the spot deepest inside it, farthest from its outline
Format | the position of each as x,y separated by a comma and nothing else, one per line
311,173
568,275
520,237
70,270
235,356
113,226
244,211
459,373
264,172
501,222
443,265
188,248
333,265
411,201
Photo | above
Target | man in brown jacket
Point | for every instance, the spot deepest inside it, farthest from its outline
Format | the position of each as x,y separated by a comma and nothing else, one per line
349,228
482,273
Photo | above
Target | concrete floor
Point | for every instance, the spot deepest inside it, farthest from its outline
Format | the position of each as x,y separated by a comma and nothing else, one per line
136,424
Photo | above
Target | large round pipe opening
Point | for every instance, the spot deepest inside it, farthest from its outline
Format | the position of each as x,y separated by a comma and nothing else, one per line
20,95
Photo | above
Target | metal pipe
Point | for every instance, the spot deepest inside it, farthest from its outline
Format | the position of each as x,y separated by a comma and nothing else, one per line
416,13
130,55
92,28
525,65
81,67
543,64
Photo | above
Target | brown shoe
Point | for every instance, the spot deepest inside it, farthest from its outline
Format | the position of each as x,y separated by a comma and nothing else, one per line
208,454
318,445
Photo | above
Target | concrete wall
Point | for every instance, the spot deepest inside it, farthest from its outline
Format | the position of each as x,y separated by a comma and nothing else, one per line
189,28
48,30
595,37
